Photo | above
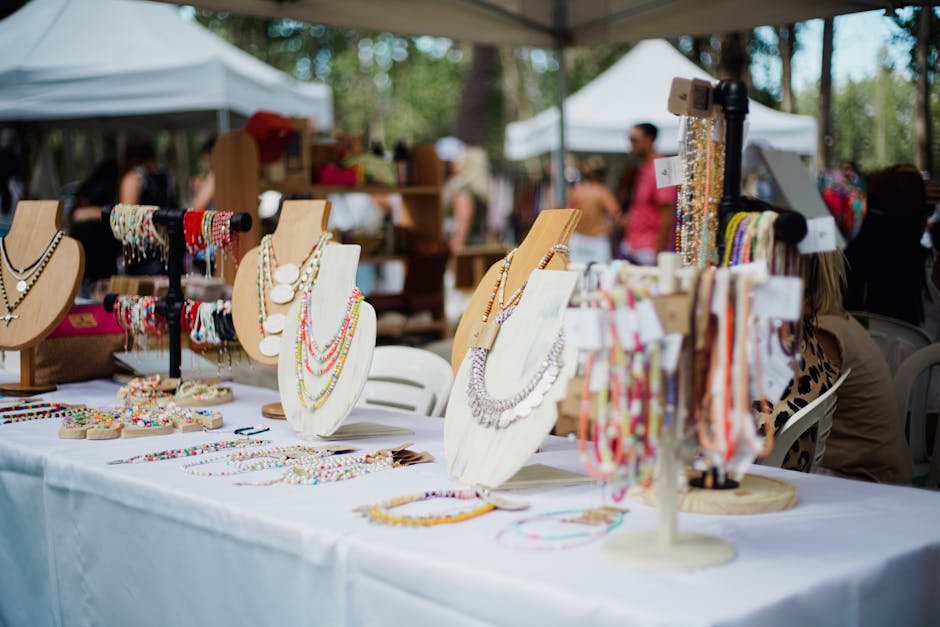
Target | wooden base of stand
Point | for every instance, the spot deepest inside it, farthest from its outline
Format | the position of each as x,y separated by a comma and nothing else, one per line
27,385
690,551
755,495
21,389
274,411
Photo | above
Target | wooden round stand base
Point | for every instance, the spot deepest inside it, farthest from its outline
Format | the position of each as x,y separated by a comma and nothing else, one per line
20,389
690,551
274,411
755,495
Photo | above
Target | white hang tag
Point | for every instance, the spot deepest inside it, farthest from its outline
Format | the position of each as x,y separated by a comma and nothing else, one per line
680,134
757,269
668,171
671,347
583,329
651,329
600,375
775,370
626,323
779,298
820,236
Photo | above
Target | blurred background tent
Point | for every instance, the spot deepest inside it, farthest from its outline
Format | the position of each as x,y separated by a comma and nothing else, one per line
599,115
87,62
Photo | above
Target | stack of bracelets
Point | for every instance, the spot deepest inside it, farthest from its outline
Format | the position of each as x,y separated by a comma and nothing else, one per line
209,324
32,410
209,232
140,237
137,315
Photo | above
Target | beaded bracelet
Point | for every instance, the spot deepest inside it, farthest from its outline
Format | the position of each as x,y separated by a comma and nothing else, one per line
33,411
380,511
192,451
602,519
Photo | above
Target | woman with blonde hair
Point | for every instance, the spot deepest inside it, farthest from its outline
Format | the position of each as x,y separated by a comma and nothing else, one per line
466,196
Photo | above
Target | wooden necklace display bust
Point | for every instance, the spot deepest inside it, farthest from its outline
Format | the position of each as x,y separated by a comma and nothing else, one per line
300,226
49,286
551,228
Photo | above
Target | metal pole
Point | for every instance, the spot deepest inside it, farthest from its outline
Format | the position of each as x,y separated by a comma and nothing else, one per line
223,122
558,158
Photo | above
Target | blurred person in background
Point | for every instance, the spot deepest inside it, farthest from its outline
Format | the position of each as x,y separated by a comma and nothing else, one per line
649,221
599,213
466,197
145,183
12,188
202,185
85,225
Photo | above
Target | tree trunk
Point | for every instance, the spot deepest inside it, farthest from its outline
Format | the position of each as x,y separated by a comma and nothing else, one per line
478,87
700,45
787,36
922,127
824,130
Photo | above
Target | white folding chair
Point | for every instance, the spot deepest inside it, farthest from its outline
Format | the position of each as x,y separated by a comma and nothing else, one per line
896,339
906,378
818,412
408,379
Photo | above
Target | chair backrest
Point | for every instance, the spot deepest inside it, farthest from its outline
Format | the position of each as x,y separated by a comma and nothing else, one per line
408,379
896,339
818,412
906,382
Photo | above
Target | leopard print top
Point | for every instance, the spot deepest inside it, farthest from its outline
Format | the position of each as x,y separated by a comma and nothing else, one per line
817,374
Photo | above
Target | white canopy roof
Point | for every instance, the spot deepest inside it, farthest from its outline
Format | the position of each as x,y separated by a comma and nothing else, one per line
547,23
76,60
633,90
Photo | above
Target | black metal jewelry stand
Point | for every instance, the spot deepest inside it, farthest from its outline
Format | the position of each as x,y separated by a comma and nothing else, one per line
171,305
790,226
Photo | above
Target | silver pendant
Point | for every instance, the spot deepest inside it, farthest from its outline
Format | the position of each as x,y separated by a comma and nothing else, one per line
274,323
21,286
282,294
270,346
287,273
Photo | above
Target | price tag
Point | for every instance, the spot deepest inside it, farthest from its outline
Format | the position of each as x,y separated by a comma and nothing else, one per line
820,236
779,298
583,329
600,375
668,171
671,350
626,323
674,312
650,327
757,269
775,367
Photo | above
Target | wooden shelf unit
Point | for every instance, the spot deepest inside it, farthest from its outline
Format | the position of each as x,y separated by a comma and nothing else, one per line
238,183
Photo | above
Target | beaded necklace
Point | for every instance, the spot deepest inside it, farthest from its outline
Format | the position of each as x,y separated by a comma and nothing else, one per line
252,461
281,285
192,451
333,469
599,522
26,276
380,511
328,359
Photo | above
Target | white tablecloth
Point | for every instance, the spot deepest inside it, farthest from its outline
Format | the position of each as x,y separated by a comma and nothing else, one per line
85,543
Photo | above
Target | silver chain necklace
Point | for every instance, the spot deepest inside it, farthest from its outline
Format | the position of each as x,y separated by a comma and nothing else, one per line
501,413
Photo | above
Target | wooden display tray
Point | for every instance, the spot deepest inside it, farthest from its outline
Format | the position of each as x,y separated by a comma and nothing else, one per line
757,494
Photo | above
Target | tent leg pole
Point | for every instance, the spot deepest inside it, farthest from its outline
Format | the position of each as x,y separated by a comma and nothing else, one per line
558,157
222,121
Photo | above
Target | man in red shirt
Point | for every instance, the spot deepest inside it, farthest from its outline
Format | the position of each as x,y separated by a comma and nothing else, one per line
649,220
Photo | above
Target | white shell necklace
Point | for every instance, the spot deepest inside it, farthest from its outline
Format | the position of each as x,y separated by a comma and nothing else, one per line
281,285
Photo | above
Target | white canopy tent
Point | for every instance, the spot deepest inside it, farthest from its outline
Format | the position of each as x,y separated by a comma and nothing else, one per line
633,90
82,61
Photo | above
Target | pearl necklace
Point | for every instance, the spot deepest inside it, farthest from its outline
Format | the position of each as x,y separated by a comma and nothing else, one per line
327,360
252,461
26,277
501,413
286,281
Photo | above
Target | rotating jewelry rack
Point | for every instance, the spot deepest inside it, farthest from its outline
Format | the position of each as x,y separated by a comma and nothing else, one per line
171,305
790,226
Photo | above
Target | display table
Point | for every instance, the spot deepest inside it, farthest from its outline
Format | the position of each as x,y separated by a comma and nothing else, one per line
85,543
